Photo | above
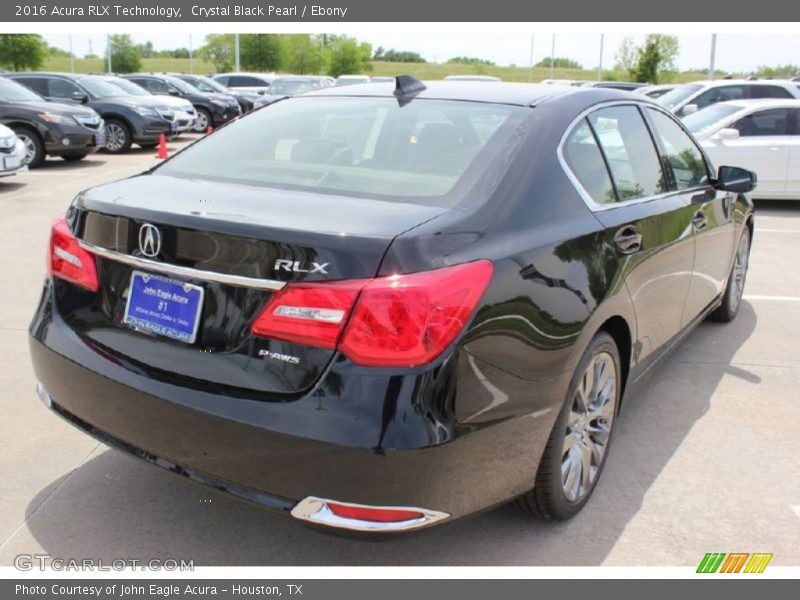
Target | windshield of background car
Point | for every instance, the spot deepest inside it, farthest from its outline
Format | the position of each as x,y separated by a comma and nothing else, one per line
11,91
129,87
371,147
709,117
101,89
204,84
292,88
678,95
186,88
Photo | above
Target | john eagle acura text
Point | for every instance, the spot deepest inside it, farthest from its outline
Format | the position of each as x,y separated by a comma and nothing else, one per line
479,275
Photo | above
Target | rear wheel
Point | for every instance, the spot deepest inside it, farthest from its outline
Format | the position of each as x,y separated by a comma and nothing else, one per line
34,147
118,137
578,445
726,312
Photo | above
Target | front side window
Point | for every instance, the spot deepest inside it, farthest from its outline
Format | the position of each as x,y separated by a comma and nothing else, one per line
724,93
764,122
629,151
586,161
61,88
688,164
361,146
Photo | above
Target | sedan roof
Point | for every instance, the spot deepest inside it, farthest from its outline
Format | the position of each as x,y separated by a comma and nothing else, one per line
521,94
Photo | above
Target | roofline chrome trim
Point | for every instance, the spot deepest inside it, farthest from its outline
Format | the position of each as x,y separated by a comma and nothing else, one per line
582,192
169,269
316,510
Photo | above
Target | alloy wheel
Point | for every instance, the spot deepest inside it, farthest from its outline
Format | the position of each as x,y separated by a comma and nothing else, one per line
202,122
115,137
589,427
30,147
740,269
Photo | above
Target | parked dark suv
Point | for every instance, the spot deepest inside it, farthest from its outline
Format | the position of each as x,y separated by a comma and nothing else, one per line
129,120
49,128
212,108
245,99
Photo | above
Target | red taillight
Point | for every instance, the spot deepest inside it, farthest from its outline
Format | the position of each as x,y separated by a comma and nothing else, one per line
376,515
67,260
398,321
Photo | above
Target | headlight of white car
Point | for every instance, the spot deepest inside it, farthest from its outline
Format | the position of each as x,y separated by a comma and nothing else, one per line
8,142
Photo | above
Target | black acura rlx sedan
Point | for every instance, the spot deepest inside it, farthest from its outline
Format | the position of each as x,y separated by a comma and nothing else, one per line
383,307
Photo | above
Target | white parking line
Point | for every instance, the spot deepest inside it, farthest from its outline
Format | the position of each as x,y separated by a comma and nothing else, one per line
758,297
796,510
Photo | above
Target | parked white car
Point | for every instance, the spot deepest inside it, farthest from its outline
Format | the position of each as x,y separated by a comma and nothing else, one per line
656,91
246,82
12,152
343,80
691,97
760,135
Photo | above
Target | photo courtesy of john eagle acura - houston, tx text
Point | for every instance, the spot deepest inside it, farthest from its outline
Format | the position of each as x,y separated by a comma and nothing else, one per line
384,307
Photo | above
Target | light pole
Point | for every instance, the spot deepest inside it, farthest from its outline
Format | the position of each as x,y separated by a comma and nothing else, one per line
71,55
711,73
600,62
191,64
236,50
108,51
553,56
530,62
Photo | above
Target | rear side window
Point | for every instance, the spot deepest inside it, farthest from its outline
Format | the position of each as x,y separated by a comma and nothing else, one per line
688,164
586,161
769,91
765,122
245,81
427,149
629,151
37,84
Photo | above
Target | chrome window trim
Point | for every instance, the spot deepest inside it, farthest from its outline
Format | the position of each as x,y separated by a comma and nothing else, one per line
582,192
188,272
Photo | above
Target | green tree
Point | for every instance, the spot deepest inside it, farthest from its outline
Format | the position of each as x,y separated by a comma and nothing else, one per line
302,54
260,51
626,56
348,55
146,49
219,51
469,60
22,51
648,63
125,55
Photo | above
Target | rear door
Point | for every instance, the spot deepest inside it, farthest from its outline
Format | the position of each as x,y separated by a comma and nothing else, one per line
793,171
649,225
712,221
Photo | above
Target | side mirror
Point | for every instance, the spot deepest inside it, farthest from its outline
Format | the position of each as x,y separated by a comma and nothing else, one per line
729,133
735,179
262,92
80,97
174,92
689,109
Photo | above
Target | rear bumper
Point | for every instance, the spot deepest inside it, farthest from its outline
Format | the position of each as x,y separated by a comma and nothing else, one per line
280,454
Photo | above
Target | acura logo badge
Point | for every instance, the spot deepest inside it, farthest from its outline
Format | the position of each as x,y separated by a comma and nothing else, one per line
149,240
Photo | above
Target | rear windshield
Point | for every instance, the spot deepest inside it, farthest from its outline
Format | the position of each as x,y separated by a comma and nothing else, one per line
371,147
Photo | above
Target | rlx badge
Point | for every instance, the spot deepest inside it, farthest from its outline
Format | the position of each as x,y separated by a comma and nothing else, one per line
293,266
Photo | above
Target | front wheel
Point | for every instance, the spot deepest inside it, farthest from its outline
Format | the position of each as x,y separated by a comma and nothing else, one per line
578,445
34,146
202,122
732,298
74,157
118,137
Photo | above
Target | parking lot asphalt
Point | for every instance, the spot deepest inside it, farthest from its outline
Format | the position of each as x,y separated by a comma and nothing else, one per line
705,457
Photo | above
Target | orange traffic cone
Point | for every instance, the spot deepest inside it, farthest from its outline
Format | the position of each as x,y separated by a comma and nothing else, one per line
209,129
162,147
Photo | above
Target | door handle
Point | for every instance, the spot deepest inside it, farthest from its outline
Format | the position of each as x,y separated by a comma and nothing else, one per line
699,220
628,239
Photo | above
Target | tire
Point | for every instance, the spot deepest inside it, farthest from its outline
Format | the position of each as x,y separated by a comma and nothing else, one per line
148,145
561,490
35,153
204,119
74,157
732,298
118,137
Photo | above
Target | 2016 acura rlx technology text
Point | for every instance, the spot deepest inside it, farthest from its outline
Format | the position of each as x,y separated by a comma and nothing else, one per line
382,307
